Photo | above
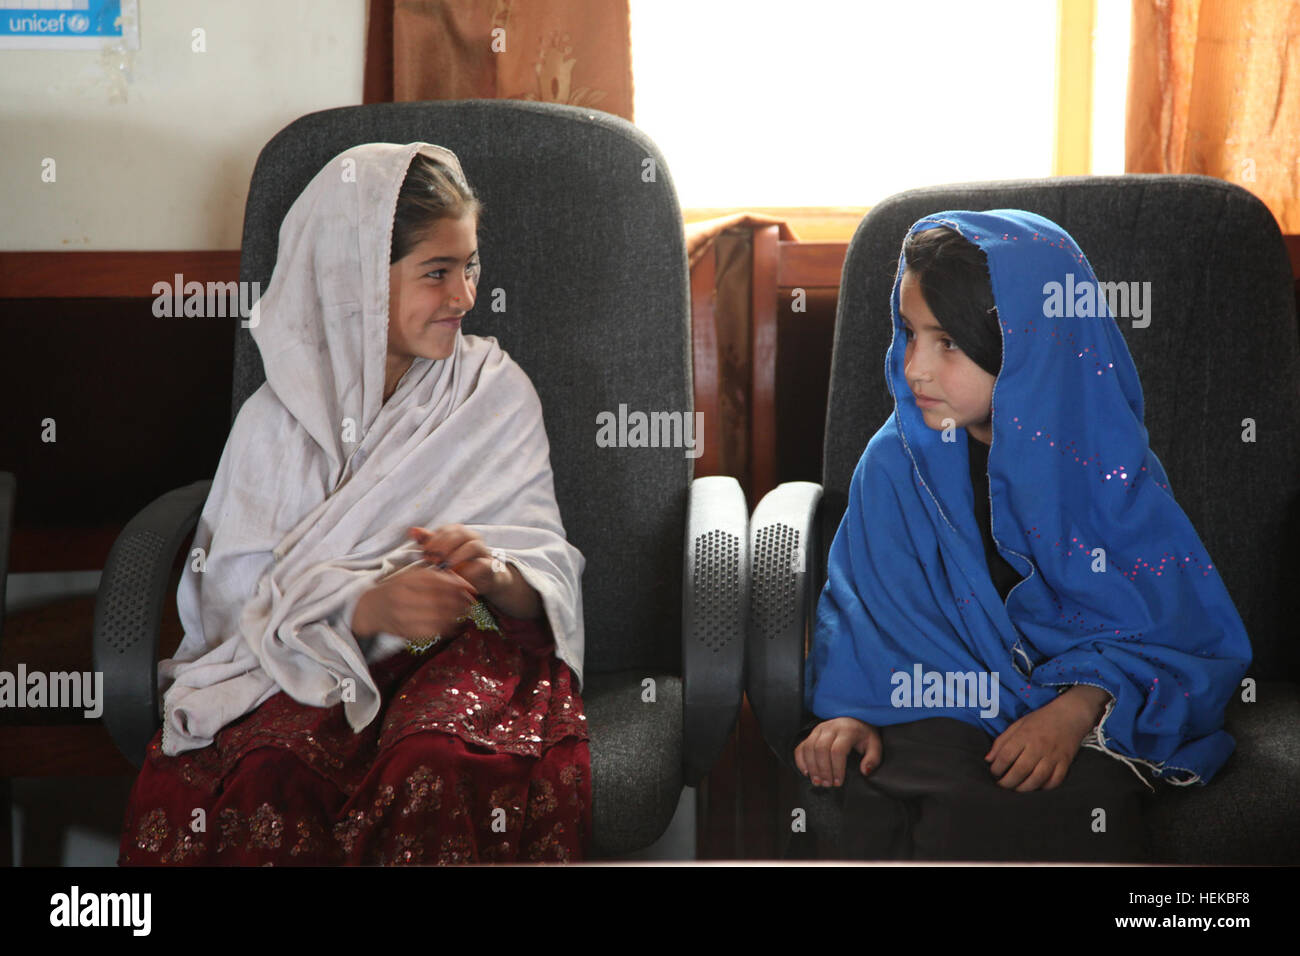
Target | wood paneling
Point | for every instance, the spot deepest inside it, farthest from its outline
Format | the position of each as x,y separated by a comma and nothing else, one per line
137,404
107,275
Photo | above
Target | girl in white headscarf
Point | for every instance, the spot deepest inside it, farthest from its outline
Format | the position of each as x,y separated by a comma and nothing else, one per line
383,619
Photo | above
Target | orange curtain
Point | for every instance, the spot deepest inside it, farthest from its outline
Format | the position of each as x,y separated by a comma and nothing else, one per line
577,52
1214,88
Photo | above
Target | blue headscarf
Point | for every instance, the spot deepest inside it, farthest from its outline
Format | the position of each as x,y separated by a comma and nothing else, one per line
909,593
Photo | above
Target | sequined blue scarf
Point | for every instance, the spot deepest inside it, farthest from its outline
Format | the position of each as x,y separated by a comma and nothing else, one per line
1117,591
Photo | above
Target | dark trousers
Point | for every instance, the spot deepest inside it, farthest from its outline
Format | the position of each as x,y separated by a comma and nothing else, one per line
934,798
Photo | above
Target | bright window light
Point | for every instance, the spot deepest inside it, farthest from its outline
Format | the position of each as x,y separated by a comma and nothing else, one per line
827,103
1110,85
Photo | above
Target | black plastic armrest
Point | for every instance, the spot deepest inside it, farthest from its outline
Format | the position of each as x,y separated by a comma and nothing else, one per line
128,614
785,551
715,601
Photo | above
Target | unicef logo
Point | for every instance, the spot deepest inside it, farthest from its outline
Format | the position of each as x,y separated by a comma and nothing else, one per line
78,23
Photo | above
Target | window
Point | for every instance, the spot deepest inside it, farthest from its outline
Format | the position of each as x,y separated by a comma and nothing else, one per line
827,103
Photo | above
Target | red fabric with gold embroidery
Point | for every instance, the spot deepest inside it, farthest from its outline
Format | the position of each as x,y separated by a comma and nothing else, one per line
479,754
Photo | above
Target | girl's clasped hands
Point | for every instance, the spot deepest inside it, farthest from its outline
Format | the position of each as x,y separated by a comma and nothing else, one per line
420,601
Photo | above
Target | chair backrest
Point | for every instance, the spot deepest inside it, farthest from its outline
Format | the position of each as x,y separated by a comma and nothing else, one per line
582,232
1221,347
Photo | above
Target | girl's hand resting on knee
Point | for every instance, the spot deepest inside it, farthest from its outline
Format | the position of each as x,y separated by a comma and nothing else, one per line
823,753
1037,750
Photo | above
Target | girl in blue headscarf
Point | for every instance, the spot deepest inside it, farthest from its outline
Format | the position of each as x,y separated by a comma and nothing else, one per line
1013,574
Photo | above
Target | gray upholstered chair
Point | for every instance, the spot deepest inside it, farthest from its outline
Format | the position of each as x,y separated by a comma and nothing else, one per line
582,228
1221,347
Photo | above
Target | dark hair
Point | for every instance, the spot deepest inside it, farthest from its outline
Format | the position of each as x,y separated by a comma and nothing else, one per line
430,192
954,277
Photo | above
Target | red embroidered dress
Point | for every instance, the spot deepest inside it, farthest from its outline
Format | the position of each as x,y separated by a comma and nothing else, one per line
479,754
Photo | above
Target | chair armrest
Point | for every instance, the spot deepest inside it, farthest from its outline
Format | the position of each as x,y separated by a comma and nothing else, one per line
8,492
128,614
784,578
715,601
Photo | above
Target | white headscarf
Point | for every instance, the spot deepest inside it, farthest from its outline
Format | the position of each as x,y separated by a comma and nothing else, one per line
320,479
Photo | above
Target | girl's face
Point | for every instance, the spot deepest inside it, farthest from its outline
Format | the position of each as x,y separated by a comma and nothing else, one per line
430,290
949,389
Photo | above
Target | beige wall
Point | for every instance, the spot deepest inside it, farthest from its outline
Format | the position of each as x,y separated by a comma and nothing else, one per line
154,147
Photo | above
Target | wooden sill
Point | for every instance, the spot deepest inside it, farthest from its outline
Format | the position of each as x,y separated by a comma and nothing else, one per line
109,274
816,223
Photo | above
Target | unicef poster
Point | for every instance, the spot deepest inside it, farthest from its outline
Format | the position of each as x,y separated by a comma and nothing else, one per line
68,24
